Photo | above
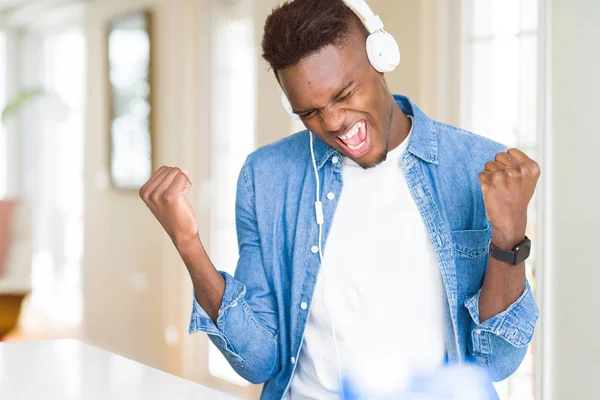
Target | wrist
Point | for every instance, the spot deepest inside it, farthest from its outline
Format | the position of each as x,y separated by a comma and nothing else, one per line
507,240
188,245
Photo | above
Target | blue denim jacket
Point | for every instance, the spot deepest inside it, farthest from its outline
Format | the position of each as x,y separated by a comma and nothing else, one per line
261,324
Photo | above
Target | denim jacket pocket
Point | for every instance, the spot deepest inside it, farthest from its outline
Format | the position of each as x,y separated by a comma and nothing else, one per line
471,243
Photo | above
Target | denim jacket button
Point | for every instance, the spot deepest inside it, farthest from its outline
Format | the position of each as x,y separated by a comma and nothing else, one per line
330,196
293,360
303,305
335,159
314,249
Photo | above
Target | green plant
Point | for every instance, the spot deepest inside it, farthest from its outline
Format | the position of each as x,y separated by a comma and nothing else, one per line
20,100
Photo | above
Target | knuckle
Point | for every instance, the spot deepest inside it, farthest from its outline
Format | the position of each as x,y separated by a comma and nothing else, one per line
168,197
499,177
521,169
184,178
482,177
154,198
535,168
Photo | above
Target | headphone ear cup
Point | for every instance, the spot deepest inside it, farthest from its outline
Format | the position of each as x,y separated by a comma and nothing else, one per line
287,106
383,51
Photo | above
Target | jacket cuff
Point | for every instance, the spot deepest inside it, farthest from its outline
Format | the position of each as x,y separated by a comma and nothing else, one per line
201,322
516,324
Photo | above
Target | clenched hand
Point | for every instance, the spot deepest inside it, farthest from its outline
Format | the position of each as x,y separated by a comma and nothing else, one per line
508,183
165,194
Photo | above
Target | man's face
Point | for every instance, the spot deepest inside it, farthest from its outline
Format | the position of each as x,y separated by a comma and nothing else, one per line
343,100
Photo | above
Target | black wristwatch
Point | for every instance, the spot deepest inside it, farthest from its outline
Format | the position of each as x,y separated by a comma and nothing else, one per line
515,257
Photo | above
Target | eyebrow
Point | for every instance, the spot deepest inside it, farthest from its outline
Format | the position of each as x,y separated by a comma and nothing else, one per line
337,96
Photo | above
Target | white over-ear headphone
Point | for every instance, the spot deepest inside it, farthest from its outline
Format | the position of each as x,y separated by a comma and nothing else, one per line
382,48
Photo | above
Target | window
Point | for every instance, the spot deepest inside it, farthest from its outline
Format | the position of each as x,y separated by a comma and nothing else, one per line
51,134
233,137
3,142
500,100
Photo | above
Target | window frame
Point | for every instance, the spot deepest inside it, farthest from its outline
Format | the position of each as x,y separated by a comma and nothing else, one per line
541,384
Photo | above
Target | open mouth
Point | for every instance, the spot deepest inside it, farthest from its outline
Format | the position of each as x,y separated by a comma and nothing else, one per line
356,140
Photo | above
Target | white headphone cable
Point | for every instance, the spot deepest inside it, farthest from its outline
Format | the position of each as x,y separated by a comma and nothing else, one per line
320,220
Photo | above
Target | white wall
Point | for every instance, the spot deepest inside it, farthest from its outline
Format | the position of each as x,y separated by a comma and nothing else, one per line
426,32
133,283
573,320
403,19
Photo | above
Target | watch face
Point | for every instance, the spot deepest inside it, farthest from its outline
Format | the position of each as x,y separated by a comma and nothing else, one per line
522,252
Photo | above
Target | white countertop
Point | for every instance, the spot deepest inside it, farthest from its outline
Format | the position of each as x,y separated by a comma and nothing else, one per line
69,369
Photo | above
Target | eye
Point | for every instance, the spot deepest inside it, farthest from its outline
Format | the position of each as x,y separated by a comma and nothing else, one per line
307,115
346,97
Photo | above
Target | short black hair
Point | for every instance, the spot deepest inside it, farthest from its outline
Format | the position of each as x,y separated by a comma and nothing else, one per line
300,28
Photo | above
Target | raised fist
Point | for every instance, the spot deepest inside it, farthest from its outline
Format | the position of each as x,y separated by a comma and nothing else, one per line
508,183
165,194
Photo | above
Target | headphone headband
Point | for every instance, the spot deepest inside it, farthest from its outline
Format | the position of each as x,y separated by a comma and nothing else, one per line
362,9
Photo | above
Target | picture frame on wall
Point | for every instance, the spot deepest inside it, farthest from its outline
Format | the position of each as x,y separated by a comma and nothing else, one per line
129,56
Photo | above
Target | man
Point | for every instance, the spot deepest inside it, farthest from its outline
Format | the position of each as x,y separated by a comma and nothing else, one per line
409,207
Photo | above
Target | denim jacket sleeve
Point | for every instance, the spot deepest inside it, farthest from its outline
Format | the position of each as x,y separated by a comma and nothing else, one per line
246,329
499,344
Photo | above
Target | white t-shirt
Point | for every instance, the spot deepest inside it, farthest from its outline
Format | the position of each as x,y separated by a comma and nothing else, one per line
382,281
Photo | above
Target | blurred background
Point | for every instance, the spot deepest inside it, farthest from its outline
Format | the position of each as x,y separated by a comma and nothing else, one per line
96,94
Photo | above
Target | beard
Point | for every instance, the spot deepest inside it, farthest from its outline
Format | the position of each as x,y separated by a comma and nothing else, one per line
381,157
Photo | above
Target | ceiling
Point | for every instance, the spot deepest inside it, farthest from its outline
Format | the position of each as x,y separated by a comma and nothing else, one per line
10,3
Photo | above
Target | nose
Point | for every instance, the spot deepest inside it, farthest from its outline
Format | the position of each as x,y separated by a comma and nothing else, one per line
333,118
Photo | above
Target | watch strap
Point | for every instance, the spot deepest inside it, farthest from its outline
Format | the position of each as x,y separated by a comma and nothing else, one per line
515,257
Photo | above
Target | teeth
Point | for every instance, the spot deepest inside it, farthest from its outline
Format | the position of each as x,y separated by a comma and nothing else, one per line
357,147
352,133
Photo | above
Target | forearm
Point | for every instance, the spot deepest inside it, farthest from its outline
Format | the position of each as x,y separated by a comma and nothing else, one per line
209,284
504,283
